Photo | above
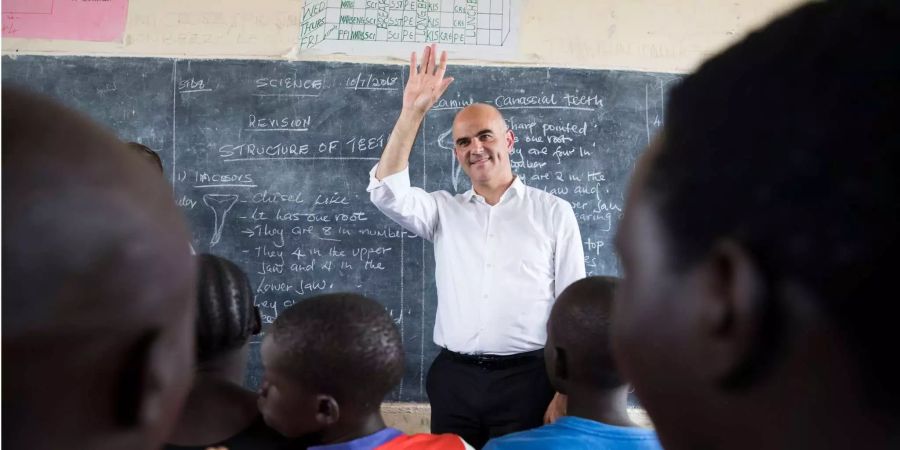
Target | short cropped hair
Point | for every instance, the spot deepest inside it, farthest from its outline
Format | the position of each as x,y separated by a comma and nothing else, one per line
342,344
147,153
580,323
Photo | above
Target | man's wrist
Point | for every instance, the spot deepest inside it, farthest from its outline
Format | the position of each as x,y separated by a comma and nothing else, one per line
412,116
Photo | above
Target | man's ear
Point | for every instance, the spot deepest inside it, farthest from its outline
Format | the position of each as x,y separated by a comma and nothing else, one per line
510,139
327,410
138,393
735,315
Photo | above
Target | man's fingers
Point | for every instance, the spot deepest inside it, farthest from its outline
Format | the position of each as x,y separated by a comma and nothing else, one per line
433,58
430,60
412,65
444,85
442,67
424,68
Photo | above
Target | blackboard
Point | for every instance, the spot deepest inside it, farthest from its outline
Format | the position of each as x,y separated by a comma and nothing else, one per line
269,161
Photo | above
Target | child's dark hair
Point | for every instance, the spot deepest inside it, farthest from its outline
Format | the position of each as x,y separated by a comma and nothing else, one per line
345,345
226,317
147,153
580,323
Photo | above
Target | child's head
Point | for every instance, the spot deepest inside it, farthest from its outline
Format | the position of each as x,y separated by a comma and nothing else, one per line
226,315
759,236
98,288
328,358
578,351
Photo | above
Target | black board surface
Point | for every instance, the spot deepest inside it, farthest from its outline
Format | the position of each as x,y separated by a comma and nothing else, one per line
269,161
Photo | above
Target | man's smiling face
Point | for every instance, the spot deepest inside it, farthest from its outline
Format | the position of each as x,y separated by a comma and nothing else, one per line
482,143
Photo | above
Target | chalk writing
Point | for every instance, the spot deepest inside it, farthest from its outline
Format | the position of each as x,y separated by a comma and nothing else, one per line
220,204
291,207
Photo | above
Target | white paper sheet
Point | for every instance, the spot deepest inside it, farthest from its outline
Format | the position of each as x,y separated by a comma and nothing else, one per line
467,29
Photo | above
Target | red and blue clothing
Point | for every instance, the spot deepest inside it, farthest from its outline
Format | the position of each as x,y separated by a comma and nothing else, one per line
394,439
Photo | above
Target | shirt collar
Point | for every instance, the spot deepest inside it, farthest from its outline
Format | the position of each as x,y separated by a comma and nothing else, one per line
364,443
517,187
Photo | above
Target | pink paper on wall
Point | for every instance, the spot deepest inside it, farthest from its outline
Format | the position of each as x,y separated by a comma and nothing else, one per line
80,20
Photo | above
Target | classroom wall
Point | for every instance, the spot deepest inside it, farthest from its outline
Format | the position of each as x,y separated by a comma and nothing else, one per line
644,35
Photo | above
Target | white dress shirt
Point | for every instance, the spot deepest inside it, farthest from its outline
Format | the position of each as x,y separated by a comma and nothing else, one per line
498,268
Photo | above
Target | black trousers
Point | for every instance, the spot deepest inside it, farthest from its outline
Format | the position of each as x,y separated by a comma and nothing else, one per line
480,399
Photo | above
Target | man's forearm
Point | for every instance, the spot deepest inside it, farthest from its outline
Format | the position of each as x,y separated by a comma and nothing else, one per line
396,153
424,87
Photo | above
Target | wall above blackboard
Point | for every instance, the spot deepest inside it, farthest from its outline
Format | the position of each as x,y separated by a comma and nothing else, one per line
269,161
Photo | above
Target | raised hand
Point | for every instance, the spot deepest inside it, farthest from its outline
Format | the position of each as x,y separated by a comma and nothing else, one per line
425,86
426,82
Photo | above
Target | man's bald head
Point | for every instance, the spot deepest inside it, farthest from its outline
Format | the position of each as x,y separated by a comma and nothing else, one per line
98,285
480,111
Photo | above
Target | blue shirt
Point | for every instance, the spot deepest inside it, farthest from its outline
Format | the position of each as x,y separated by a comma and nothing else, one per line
571,432
364,443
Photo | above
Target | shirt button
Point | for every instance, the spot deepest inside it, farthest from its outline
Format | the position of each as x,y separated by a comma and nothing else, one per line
489,265
485,296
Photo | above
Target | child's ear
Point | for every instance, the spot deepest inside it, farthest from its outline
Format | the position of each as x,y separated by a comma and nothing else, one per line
139,390
562,364
257,321
327,410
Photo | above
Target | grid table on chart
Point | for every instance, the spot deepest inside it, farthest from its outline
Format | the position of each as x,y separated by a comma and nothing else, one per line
469,22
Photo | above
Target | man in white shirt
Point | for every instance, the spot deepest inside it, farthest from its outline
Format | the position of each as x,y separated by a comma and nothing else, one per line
503,252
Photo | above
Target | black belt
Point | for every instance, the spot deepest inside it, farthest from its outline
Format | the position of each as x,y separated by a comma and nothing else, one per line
488,361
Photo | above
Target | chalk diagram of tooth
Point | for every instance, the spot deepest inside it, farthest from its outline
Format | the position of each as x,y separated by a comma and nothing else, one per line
220,204
445,141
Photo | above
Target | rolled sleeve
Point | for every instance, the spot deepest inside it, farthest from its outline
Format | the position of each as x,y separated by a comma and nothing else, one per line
397,183
410,207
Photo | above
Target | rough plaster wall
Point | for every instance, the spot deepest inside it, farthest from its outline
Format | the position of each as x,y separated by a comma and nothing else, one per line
416,417
648,35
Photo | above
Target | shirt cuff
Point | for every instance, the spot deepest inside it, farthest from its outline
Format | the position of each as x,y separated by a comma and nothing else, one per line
397,183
